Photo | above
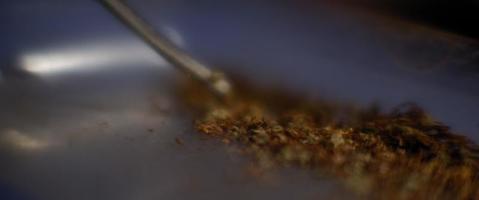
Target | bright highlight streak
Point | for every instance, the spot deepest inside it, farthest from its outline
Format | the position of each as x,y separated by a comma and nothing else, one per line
62,61
89,57
23,141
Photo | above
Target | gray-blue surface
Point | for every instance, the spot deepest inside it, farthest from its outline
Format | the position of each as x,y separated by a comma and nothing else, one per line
79,92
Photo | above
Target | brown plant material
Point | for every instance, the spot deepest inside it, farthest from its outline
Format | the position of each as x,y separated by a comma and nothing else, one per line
404,154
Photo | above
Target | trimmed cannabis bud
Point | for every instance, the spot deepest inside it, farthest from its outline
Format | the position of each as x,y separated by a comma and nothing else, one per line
399,155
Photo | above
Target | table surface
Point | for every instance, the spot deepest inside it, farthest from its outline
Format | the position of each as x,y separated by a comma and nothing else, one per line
87,111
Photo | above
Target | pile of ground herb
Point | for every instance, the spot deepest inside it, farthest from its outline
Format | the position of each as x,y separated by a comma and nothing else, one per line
403,154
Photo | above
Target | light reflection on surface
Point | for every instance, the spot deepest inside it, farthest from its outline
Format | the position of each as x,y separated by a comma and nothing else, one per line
21,141
174,36
89,57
